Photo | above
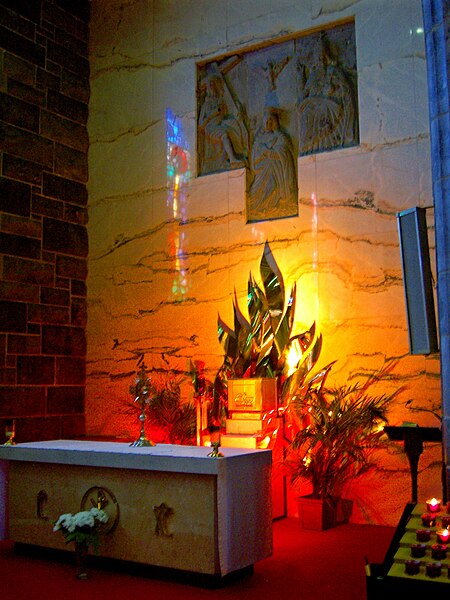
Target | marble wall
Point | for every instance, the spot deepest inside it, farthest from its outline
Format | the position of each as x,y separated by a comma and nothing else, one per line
168,249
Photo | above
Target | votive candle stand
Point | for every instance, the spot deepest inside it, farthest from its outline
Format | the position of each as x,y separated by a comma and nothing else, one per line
412,566
433,569
423,535
428,519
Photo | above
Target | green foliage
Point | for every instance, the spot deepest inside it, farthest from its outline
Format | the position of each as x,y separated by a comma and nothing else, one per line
89,538
83,527
338,430
260,346
331,433
165,410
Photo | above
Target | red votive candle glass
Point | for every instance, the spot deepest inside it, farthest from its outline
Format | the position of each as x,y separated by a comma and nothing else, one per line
418,550
443,536
439,551
433,505
445,521
428,519
412,566
433,569
423,535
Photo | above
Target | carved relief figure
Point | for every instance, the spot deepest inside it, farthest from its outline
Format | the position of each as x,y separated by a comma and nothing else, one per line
308,80
223,143
272,191
327,106
271,71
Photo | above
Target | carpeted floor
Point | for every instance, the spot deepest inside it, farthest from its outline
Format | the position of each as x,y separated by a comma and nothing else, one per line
305,565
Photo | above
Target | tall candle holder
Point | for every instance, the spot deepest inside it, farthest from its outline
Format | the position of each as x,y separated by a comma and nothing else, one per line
141,392
203,404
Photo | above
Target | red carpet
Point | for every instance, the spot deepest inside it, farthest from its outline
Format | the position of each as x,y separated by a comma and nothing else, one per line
306,565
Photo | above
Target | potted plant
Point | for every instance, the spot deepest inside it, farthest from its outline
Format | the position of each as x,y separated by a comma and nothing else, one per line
84,529
338,429
264,346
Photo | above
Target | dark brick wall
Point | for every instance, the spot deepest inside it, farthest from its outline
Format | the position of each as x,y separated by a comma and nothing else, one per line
44,96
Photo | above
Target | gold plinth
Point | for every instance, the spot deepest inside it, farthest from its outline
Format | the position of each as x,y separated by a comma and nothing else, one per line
248,395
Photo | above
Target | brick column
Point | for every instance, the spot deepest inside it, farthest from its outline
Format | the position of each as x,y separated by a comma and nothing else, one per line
44,95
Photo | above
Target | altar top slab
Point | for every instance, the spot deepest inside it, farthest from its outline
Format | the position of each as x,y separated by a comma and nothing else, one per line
162,457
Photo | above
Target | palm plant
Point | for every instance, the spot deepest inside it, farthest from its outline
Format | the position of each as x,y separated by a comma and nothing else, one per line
338,431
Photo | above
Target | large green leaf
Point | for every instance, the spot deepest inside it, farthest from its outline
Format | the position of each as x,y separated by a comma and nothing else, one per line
294,385
227,338
264,316
243,333
256,310
273,286
259,347
283,333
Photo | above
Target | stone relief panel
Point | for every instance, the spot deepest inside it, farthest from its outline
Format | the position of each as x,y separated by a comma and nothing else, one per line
327,106
262,108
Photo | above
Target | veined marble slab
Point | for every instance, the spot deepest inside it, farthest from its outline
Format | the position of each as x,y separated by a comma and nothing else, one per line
162,457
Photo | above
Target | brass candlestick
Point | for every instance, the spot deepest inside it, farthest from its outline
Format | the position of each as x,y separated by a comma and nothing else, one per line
215,450
142,439
141,392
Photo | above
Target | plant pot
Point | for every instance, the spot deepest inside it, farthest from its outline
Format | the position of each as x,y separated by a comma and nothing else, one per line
317,514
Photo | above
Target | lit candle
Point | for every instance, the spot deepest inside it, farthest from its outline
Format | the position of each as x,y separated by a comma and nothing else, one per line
412,566
439,551
443,536
418,550
433,569
428,519
434,505
423,535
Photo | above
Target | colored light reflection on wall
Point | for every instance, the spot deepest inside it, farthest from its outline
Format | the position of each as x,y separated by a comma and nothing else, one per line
315,258
178,174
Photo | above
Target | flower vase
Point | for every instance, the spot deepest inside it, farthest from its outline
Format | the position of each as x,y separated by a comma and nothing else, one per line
81,552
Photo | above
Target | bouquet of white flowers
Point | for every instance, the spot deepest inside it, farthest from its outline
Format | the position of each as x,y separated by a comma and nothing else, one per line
83,527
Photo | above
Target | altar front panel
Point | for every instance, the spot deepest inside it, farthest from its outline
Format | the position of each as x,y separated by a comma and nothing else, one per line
189,544
220,509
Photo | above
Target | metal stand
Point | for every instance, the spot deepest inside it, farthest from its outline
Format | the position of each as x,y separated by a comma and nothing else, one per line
142,439
413,438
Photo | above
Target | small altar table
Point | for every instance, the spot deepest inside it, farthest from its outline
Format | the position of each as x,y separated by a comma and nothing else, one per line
171,506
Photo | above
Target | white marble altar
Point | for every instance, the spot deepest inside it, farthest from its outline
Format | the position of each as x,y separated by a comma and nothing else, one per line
221,522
